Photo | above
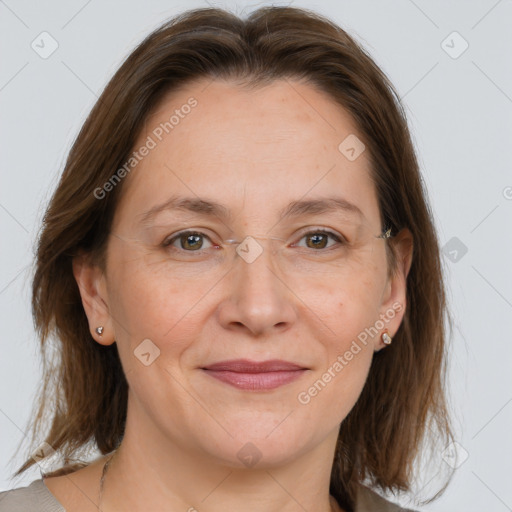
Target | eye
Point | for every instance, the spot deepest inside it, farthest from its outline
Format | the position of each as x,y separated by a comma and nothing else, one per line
193,241
319,238
189,241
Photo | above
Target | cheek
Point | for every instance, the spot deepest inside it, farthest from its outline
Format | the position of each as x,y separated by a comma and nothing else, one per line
346,304
146,303
349,383
335,387
349,315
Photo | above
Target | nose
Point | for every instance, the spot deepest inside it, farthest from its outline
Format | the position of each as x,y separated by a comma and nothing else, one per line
257,299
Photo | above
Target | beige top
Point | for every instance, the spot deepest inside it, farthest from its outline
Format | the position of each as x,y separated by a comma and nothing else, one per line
36,497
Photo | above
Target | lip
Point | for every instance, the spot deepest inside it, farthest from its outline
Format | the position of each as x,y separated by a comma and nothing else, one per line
248,366
255,375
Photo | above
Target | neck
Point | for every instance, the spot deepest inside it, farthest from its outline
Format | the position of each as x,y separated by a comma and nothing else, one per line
148,472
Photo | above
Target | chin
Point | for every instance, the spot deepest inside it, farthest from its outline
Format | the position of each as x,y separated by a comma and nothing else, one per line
263,445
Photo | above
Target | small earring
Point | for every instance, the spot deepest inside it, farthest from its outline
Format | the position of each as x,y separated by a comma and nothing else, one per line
99,330
386,338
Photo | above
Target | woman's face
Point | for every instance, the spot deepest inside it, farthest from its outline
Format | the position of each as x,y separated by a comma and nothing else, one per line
176,306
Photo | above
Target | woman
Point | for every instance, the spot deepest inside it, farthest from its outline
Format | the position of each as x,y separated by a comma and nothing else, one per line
242,273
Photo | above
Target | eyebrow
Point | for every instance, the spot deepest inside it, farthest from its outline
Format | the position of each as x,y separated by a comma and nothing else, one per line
209,208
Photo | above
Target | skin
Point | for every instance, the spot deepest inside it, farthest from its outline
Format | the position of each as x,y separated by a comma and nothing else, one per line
253,151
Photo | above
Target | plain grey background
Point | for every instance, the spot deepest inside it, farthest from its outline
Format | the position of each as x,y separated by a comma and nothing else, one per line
450,62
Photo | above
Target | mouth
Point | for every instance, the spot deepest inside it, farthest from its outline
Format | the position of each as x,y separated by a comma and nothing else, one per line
253,375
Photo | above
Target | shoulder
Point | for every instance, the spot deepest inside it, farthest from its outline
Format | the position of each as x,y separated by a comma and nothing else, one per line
369,501
35,497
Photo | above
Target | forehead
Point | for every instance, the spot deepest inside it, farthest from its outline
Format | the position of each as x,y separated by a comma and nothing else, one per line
251,149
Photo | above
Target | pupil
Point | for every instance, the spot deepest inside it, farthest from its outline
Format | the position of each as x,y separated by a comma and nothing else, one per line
318,238
194,238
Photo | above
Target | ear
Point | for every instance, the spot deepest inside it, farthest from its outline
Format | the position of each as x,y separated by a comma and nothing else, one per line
93,290
394,298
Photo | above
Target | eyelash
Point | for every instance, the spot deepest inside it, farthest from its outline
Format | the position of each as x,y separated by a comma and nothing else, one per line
167,243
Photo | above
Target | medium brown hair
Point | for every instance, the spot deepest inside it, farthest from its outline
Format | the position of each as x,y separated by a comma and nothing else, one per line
84,388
